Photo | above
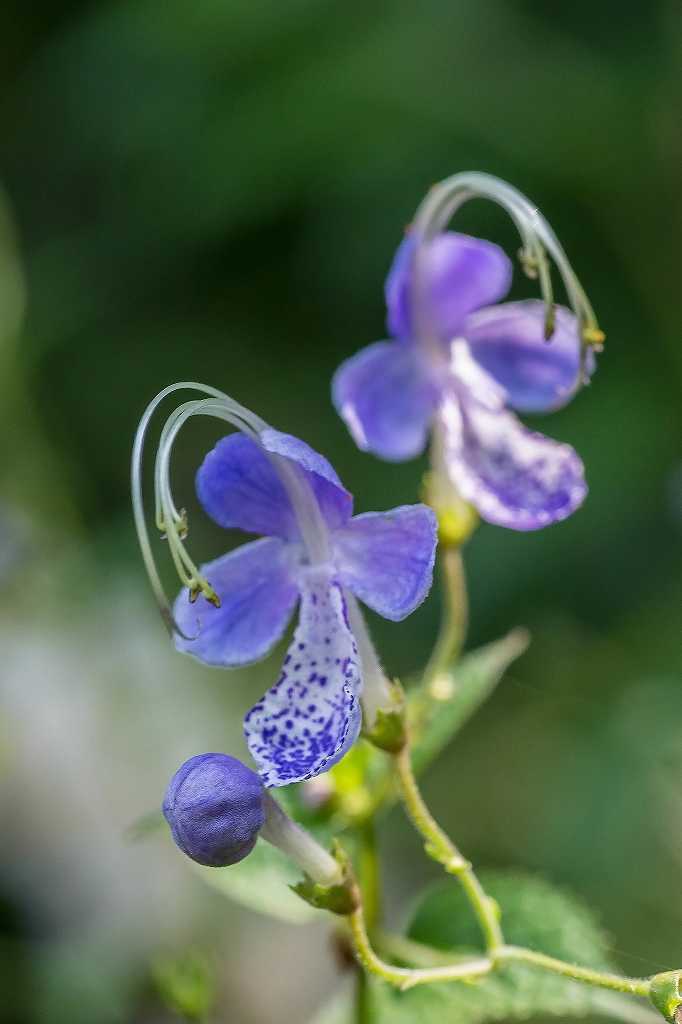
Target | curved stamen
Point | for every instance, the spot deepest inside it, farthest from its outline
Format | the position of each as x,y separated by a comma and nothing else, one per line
537,238
173,523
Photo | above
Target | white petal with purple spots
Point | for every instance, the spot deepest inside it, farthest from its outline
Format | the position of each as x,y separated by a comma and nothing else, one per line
307,721
513,476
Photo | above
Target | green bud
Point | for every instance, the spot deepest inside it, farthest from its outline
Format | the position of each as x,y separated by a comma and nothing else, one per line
389,731
339,898
665,995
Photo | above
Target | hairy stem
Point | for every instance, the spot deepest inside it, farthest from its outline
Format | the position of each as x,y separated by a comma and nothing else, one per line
439,846
602,979
465,968
404,977
454,619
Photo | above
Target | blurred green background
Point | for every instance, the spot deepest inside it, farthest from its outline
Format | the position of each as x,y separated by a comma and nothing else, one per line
213,190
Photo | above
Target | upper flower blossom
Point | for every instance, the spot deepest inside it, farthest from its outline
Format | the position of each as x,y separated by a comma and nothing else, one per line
311,716
480,361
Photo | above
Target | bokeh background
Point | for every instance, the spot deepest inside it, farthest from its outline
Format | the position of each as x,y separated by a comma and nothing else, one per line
213,190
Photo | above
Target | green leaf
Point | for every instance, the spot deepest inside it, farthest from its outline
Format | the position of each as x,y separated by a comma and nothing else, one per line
262,882
186,983
439,713
466,1004
535,913
515,993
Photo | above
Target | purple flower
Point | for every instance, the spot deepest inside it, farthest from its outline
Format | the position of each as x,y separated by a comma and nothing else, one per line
214,806
480,361
311,716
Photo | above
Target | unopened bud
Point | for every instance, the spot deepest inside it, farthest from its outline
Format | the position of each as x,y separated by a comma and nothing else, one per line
214,806
217,807
665,995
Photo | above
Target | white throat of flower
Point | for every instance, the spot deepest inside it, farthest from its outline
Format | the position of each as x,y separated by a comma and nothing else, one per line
172,523
537,240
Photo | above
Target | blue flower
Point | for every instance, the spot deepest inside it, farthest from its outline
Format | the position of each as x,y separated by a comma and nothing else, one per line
480,361
316,553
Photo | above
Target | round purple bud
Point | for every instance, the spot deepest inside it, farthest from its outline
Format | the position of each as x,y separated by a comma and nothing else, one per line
214,806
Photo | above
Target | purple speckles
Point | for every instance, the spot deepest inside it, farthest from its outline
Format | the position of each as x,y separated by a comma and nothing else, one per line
306,720
316,734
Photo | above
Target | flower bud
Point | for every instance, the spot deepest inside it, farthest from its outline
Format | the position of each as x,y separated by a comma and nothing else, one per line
214,806
666,996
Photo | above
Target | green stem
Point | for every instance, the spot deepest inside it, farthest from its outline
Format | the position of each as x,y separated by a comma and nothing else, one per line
602,979
368,869
369,873
439,846
404,977
454,619
363,1004
471,968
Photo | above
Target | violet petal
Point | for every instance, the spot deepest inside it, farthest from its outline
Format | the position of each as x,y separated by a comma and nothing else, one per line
386,399
386,558
464,273
239,487
513,476
508,341
258,593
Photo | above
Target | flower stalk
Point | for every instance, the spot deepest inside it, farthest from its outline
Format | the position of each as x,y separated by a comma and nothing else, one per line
279,830
440,847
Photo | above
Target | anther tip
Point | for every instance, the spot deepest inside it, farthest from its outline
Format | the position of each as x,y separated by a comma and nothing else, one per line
593,336
550,327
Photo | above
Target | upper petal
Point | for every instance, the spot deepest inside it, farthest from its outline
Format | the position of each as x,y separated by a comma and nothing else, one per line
508,341
513,476
335,501
386,558
308,720
238,485
464,273
387,399
257,595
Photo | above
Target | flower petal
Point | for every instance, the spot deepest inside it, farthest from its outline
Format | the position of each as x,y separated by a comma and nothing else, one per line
464,273
335,501
514,477
508,341
386,399
311,716
238,485
257,596
386,558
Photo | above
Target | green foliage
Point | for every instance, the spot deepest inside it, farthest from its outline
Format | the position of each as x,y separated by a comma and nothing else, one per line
453,699
535,914
515,993
186,984
262,882
665,994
